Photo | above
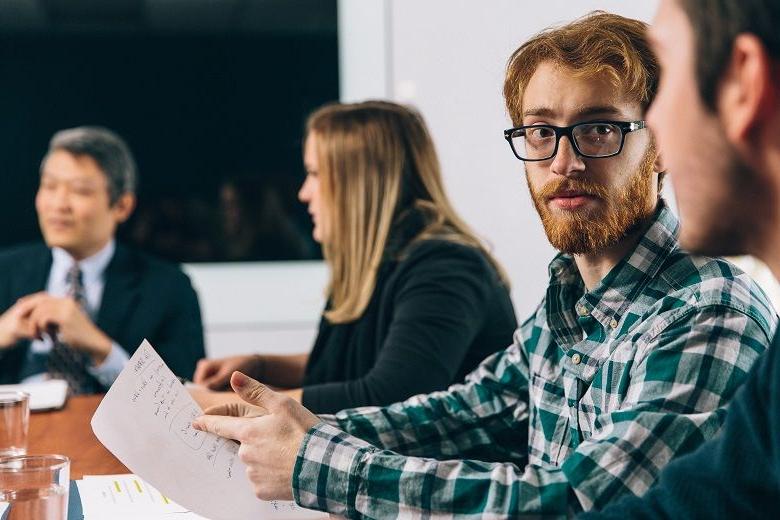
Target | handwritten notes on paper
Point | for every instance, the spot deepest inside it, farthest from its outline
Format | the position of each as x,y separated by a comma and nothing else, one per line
145,421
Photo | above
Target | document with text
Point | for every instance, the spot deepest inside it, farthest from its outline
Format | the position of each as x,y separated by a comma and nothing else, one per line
145,421
126,497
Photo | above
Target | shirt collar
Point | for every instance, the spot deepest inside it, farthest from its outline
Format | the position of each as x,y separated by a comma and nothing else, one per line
622,285
92,268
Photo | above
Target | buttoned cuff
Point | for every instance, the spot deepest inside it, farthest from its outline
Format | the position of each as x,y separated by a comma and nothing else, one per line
107,372
327,470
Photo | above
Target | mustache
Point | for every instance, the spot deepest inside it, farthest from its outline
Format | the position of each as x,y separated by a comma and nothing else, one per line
559,187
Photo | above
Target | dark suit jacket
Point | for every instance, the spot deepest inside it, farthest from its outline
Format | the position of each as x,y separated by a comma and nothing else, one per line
143,297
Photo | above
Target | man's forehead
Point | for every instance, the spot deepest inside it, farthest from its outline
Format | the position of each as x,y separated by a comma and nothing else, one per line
565,110
77,172
558,91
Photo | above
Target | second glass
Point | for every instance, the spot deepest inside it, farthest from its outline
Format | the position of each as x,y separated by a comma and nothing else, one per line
34,487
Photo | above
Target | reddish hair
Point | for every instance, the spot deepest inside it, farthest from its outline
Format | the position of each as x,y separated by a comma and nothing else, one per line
598,43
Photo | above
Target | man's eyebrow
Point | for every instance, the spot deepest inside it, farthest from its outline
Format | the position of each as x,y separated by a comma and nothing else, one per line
606,110
539,111
586,111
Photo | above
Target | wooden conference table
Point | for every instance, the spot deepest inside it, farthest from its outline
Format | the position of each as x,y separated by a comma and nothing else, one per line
67,432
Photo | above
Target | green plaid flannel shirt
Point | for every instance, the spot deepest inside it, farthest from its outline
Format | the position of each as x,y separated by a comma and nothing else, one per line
598,392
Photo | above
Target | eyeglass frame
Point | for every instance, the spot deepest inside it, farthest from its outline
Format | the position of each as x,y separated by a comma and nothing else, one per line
567,131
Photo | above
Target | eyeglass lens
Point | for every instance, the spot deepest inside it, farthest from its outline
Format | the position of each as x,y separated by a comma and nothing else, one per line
591,139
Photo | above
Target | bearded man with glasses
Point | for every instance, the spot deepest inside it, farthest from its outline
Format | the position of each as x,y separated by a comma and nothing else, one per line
629,361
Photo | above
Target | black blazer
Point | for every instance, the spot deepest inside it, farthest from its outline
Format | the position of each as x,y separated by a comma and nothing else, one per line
437,311
143,297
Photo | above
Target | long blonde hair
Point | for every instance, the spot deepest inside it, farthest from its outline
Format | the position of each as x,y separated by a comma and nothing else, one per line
375,160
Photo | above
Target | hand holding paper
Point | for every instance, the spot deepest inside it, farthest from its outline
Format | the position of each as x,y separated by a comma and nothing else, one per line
270,428
146,419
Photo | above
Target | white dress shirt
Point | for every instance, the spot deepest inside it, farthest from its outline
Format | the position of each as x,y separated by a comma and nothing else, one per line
93,270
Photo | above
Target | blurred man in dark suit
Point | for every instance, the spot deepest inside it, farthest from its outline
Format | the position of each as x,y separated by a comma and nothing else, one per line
79,305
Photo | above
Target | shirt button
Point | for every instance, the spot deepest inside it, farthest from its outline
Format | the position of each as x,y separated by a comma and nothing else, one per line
582,310
576,358
614,323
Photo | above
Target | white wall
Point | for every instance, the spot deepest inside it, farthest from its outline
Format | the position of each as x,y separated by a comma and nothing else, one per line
267,307
447,58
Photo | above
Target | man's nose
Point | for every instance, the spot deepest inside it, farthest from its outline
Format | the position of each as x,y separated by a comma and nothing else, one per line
567,161
60,197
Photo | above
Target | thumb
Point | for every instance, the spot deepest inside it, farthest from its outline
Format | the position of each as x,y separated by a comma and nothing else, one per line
254,392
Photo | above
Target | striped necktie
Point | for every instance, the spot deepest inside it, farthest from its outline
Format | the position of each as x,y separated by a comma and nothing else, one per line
65,362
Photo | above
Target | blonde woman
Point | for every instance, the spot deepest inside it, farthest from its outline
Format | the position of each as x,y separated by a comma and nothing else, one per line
415,301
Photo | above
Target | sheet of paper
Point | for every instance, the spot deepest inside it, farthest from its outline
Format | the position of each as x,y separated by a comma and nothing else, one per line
123,497
44,395
145,421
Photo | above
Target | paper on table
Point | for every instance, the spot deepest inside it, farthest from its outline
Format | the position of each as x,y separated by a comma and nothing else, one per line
121,496
44,395
145,421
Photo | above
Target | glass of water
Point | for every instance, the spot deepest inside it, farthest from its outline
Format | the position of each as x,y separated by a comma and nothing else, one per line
34,487
14,423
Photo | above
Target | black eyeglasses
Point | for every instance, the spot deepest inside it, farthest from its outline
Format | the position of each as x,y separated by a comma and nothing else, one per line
592,139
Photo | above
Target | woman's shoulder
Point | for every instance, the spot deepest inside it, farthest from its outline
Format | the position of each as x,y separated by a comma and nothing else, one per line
448,269
442,254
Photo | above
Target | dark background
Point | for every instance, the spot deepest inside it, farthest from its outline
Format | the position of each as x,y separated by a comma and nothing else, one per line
211,97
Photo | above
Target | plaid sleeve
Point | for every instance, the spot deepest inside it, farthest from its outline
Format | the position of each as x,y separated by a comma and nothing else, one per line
477,418
338,473
682,379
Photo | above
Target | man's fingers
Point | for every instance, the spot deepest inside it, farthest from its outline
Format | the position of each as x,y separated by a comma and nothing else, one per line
254,392
23,308
216,381
226,409
43,320
27,304
43,316
236,410
28,329
210,374
228,427
38,318
203,370
34,297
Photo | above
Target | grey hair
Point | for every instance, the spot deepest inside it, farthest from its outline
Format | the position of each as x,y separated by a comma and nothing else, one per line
107,149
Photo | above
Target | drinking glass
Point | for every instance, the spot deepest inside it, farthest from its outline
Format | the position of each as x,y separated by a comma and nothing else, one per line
34,487
14,423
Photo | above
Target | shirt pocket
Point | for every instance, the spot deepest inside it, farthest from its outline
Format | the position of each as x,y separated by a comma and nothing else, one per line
607,394
548,435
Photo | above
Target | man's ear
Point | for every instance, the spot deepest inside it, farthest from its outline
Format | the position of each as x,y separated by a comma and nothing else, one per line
124,207
746,92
